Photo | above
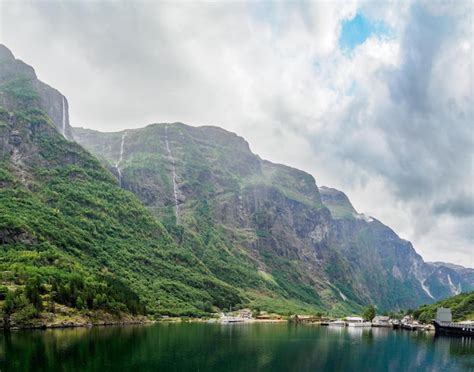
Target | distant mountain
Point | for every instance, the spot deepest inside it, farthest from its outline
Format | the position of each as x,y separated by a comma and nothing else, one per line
296,233
387,265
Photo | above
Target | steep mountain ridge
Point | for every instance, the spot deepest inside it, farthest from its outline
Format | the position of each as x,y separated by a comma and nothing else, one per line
226,192
378,256
275,213
16,78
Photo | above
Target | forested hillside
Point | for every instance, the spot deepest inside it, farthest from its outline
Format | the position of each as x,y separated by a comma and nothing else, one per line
462,308
72,239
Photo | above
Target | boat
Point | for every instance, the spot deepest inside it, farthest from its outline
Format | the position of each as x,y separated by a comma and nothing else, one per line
396,324
232,319
357,321
413,326
444,325
337,323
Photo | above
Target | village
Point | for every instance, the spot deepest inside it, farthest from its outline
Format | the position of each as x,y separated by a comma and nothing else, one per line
442,323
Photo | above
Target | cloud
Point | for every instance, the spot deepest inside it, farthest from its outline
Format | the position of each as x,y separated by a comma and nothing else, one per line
389,123
460,206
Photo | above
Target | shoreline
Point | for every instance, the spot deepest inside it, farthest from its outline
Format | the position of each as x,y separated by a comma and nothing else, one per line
70,325
142,320
119,323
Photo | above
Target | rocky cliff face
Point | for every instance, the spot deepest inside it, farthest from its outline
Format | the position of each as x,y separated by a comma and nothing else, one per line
20,84
387,266
310,241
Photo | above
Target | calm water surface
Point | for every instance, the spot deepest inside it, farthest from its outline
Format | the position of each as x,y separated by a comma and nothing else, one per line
238,347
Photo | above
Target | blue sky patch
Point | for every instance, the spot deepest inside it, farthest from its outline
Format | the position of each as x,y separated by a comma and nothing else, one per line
358,29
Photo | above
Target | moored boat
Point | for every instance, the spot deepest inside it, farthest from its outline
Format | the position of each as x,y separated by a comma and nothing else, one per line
356,321
232,319
337,323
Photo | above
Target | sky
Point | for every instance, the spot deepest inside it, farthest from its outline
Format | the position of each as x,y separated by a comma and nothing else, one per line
372,98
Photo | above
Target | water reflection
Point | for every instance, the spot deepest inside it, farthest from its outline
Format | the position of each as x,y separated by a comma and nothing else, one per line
239,347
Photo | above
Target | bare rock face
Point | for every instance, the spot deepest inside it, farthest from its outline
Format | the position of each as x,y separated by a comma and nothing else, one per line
33,92
57,108
386,264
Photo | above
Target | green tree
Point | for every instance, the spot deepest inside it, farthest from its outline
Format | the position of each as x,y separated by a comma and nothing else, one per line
32,293
369,313
80,303
9,304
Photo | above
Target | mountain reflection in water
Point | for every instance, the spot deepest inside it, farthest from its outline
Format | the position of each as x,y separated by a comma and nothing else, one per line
237,347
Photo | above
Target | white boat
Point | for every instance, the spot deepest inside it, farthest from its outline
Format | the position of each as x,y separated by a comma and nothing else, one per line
337,323
232,319
357,321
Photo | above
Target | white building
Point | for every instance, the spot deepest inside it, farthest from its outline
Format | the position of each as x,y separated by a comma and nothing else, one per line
444,315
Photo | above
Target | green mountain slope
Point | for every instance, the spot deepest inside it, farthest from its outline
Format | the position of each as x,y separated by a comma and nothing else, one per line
207,180
71,237
462,308
310,242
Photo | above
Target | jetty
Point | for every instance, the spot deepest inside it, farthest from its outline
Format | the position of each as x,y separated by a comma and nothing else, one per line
444,324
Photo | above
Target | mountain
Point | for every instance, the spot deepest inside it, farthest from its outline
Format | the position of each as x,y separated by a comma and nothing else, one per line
22,89
75,246
461,305
387,264
177,220
295,233
267,218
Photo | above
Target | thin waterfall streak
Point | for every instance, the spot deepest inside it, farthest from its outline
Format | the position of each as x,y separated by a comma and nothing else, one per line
117,164
173,167
64,117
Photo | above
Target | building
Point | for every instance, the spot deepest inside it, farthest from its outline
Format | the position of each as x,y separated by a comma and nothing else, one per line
443,315
381,321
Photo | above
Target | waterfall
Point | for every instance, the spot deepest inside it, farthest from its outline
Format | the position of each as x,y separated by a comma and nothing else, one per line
117,164
64,118
173,167
425,288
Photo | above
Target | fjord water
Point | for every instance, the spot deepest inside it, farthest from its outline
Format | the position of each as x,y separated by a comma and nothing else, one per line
238,347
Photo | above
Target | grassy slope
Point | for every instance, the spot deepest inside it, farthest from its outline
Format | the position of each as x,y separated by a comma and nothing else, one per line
462,308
